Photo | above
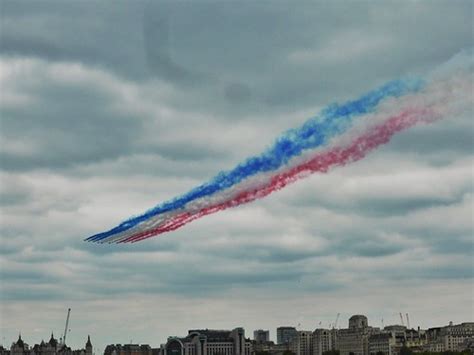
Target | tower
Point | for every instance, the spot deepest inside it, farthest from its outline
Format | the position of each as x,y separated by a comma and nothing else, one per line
88,346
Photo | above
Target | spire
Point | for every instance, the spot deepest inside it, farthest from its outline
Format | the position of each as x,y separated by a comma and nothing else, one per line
88,344
52,341
20,342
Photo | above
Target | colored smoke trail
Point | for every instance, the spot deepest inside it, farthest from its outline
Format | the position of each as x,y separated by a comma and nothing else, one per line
322,162
333,120
334,138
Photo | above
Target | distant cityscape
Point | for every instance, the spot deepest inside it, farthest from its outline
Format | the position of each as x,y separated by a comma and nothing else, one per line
357,339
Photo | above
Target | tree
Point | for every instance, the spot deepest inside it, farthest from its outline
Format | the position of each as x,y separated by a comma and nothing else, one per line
331,352
405,351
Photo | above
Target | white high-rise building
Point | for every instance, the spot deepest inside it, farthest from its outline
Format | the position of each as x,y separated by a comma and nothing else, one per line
322,341
355,339
303,343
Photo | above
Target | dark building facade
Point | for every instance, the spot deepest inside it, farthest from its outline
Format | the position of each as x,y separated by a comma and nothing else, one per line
209,342
285,335
261,336
128,349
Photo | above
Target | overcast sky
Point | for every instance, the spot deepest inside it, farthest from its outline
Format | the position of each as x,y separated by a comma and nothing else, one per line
108,109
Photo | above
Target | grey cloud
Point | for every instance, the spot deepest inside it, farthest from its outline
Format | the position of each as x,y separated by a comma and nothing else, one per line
51,31
156,35
441,272
434,139
14,191
67,125
26,276
455,244
28,294
365,245
267,253
13,198
215,46
381,206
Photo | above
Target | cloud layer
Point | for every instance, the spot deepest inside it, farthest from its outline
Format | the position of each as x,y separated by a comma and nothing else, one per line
104,114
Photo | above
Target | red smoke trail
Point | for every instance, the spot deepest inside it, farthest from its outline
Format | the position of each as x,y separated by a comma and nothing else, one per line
321,162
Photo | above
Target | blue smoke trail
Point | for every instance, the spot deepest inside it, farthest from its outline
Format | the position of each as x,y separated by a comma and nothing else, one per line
333,120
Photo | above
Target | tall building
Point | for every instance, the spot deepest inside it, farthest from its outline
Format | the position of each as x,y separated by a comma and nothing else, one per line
261,336
302,344
286,334
209,342
323,341
355,339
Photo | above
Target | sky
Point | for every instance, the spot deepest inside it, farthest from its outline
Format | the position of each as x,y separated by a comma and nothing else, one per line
109,109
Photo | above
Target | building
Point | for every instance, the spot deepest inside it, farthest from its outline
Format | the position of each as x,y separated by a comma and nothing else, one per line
416,340
334,337
261,336
453,336
323,341
450,338
286,334
87,350
302,344
382,343
209,342
128,349
467,345
270,347
388,343
355,339
358,322
51,347
19,347
4,351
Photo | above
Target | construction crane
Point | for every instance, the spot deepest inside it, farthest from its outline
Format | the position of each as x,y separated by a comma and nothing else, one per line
337,318
408,321
401,318
65,328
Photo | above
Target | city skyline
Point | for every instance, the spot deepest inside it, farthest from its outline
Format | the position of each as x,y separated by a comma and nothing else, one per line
100,344
108,109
